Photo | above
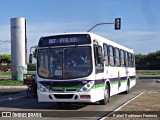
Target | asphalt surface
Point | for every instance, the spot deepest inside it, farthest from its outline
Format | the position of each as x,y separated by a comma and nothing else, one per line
74,111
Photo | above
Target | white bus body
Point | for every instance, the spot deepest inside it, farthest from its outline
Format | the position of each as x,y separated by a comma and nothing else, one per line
107,64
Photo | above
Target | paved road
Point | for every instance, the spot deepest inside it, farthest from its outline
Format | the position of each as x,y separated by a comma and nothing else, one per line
86,111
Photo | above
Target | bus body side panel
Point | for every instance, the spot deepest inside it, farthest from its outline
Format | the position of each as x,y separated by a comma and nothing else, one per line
118,77
132,77
125,75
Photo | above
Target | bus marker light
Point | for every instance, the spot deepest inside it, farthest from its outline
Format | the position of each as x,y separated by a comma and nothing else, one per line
84,88
88,85
85,96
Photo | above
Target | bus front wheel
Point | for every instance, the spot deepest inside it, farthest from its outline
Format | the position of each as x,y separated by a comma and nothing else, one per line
106,96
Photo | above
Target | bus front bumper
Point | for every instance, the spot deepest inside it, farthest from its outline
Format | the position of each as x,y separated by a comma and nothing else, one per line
90,96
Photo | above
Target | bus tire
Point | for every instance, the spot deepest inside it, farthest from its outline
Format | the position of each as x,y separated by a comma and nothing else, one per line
128,87
32,91
106,96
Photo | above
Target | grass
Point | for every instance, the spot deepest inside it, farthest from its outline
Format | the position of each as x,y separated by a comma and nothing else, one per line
11,83
148,72
9,73
5,73
30,72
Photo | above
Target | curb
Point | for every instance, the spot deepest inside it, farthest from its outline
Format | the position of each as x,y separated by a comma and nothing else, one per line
20,89
148,77
13,87
13,98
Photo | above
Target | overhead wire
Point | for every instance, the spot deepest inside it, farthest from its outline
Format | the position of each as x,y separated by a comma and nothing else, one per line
4,42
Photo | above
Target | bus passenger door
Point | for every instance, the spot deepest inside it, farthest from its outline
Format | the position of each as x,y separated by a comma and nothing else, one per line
99,62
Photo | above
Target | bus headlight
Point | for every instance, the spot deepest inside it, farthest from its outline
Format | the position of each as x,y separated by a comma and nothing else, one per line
42,88
87,86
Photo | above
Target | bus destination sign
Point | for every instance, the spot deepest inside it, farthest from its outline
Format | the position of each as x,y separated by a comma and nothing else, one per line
61,40
64,40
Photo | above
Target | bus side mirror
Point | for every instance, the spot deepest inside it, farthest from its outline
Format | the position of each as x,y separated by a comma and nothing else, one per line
117,24
30,58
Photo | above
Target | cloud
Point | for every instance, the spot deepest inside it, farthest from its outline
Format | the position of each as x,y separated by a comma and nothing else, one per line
142,42
5,47
4,33
141,33
137,40
35,31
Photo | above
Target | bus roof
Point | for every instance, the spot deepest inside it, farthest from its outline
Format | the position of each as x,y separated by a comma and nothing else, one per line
110,42
96,37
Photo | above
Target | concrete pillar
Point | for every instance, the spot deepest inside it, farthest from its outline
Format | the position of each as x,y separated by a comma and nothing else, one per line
18,48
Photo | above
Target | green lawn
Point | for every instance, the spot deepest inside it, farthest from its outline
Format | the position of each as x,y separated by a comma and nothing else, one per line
11,83
146,72
5,73
9,73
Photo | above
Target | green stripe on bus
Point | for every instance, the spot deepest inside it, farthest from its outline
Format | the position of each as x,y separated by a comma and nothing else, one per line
97,86
123,81
116,82
100,85
133,79
68,87
94,86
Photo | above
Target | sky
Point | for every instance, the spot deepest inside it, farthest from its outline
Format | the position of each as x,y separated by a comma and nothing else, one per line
140,27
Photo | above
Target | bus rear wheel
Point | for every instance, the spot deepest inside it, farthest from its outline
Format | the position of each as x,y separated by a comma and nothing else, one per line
106,96
127,87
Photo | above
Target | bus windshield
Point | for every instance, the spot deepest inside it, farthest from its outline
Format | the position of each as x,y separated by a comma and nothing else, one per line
64,63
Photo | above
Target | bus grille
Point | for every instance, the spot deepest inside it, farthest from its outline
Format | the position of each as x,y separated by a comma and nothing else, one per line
66,90
63,96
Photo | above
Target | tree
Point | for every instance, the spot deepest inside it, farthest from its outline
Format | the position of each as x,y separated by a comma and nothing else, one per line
5,59
140,60
35,53
148,62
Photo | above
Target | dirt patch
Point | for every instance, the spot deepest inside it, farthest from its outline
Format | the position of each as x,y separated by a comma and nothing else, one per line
144,107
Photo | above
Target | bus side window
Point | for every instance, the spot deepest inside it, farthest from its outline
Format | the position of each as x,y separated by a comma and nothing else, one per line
117,57
106,55
133,60
111,56
122,58
126,59
99,59
130,60
134,64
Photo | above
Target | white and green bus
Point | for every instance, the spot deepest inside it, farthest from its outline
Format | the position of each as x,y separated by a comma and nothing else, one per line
82,67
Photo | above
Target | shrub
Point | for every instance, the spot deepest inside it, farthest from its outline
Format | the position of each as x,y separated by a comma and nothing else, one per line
31,67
